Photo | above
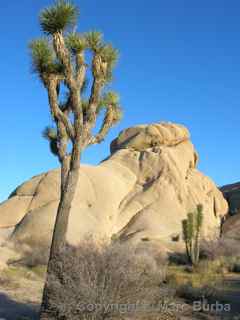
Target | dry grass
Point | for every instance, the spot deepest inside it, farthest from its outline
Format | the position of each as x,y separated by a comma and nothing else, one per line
194,283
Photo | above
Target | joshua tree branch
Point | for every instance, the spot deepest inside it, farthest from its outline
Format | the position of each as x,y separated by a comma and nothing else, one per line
106,126
56,111
94,100
97,85
81,70
64,56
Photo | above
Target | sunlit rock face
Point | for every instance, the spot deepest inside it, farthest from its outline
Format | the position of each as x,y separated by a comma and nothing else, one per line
140,194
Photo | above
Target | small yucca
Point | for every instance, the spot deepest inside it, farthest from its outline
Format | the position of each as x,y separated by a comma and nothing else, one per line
191,228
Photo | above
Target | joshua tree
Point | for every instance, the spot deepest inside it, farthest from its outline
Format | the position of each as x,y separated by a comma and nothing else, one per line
191,234
60,61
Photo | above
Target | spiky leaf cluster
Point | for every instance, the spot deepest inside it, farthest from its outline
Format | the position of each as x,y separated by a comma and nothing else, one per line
59,17
112,99
93,40
50,134
109,56
75,42
43,58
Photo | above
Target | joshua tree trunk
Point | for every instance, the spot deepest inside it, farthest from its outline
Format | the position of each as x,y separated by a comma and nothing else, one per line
70,167
68,191
61,223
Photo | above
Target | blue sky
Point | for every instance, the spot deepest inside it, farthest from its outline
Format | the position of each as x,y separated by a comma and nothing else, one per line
179,62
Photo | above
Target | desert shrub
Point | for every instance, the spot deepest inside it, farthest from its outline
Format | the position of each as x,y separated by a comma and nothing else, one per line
98,281
32,254
178,259
223,253
38,257
236,267
215,248
191,293
207,267
231,264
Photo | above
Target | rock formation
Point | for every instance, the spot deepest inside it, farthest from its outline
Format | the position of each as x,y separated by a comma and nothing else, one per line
141,193
231,227
231,193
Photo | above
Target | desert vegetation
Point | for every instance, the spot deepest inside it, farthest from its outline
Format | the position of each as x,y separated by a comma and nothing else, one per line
104,280
191,234
101,281
152,264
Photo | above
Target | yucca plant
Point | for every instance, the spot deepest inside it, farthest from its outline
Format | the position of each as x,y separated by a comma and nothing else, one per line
191,228
60,60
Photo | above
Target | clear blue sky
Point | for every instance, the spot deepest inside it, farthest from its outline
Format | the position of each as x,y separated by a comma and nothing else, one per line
180,62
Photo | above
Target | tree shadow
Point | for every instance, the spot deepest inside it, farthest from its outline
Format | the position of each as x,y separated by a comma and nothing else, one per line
13,310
